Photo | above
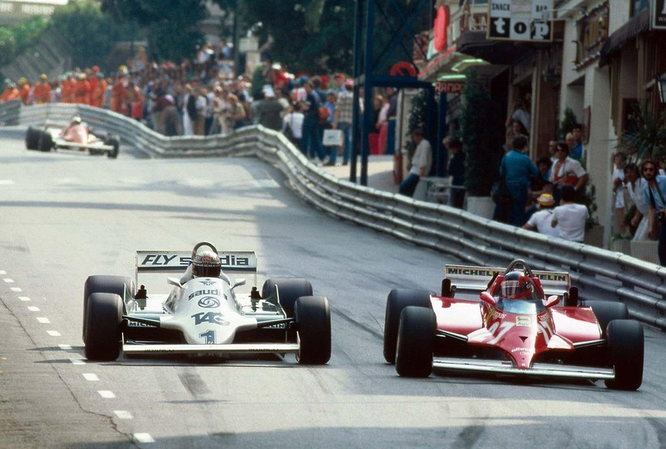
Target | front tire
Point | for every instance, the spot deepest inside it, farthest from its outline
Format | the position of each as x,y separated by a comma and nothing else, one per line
105,314
416,342
122,286
397,300
115,143
45,141
626,347
313,320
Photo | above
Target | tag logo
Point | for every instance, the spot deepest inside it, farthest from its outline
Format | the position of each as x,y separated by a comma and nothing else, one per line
209,317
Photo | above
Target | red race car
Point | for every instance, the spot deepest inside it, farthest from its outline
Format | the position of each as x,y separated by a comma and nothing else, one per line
514,328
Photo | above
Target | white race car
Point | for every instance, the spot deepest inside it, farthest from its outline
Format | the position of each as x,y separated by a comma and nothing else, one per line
203,315
50,138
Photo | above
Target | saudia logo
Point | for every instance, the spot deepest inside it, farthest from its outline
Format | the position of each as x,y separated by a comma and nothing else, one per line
163,260
213,291
209,317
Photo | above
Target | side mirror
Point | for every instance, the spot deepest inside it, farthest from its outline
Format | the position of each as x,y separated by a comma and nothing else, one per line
175,282
238,283
552,301
488,299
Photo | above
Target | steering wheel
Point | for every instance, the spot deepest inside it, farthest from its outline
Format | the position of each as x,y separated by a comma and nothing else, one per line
526,267
199,245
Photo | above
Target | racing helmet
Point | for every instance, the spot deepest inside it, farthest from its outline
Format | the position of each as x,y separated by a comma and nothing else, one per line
76,119
206,264
515,285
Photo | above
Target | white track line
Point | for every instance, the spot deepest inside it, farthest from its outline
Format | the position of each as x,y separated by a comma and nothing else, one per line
143,438
123,414
8,280
33,309
77,361
65,347
91,377
24,298
106,394
16,289
54,333
43,320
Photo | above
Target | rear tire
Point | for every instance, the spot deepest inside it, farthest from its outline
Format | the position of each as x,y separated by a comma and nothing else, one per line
32,138
105,312
416,342
45,141
313,320
397,300
626,347
105,284
289,291
607,311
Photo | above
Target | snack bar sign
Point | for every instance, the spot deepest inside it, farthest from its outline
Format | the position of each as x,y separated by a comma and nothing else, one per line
520,20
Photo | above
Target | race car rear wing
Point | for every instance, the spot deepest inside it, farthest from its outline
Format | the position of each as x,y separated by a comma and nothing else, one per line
470,278
178,261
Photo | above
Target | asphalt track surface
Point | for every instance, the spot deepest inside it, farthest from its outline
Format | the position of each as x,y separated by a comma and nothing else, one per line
64,217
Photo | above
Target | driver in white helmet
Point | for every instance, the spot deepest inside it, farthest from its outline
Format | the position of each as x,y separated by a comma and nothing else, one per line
75,132
206,264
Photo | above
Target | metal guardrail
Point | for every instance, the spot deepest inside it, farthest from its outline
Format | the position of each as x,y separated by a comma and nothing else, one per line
599,274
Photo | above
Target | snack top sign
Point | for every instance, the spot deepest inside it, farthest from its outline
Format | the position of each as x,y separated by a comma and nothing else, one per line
520,20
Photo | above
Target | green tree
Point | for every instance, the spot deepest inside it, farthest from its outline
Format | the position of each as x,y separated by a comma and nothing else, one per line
171,26
16,39
88,30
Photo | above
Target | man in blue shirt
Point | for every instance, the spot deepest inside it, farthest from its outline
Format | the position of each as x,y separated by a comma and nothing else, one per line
654,195
516,167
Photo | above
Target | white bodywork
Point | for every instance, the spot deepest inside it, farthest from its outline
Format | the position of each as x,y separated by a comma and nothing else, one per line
60,143
207,311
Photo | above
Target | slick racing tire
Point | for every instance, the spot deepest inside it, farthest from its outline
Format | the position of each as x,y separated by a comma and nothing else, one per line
105,284
607,311
115,143
289,290
397,300
416,342
313,321
32,138
105,314
626,346
45,141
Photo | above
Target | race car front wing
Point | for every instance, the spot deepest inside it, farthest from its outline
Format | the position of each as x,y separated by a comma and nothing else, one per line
235,348
537,369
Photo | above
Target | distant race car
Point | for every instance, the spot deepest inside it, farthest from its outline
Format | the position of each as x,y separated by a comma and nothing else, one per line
203,314
50,137
514,329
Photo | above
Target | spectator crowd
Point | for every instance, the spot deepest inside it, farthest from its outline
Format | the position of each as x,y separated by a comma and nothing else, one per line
201,96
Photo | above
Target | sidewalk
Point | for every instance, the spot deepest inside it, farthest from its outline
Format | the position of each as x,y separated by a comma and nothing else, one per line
380,172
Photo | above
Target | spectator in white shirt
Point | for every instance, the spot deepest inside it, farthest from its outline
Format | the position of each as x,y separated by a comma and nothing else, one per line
541,220
421,162
570,217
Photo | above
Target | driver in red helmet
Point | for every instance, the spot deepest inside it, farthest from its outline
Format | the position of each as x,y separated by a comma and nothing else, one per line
516,285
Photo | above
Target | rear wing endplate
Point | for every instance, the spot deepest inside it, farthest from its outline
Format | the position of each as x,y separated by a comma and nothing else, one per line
470,278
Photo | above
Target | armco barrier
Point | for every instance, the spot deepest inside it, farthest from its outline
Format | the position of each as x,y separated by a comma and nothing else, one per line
598,273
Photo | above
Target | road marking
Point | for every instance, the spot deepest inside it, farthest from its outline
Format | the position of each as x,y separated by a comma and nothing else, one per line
33,309
43,320
106,394
24,298
53,333
6,182
65,347
77,361
3,272
16,289
143,438
123,414
92,377
8,280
